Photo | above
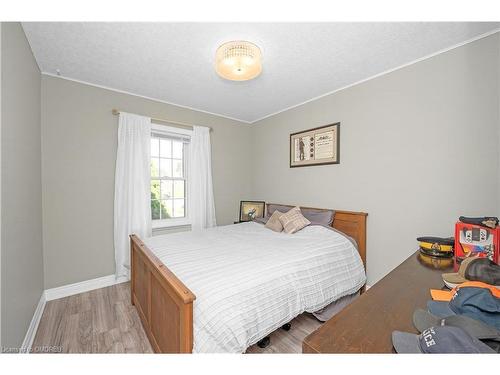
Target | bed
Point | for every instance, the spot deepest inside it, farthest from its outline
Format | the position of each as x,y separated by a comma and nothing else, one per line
249,281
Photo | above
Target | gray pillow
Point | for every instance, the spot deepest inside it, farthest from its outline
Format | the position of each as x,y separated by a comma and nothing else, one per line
273,207
322,217
262,220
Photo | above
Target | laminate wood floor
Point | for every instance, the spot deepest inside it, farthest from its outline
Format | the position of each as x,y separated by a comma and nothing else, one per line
104,321
99,321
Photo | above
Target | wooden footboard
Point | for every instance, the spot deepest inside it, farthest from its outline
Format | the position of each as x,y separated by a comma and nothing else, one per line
164,303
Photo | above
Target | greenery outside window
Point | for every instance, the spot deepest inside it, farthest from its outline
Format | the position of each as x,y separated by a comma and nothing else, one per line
169,177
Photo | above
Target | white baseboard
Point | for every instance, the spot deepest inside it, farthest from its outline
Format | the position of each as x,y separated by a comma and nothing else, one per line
33,327
83,286
60,292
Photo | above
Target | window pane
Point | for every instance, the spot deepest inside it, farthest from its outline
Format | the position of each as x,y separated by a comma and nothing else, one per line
165,148
155,189
155,147
165,167
178,189
155,209
166,190
179,208
155,167
177,150
166,210
177,165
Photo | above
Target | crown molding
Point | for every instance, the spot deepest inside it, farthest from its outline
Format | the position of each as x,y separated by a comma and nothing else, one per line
489,33
143,97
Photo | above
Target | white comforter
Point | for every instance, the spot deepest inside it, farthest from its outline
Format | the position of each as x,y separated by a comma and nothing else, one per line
249,280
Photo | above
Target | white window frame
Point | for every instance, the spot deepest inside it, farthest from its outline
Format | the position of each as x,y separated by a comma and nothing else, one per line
176,222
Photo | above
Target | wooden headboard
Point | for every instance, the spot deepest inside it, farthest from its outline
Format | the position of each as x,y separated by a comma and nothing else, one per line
351,223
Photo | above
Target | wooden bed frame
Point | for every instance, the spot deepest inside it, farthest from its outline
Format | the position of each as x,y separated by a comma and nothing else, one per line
165,304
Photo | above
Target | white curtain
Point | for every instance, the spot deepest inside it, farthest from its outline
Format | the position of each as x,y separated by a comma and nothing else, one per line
201,207
132,186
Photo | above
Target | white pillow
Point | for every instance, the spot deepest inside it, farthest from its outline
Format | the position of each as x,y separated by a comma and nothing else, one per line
293,221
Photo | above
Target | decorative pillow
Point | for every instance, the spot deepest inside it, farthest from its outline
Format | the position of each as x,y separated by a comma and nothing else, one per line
293,221
274,222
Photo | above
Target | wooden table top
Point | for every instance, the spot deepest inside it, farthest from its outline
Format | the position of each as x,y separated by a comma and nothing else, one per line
366,325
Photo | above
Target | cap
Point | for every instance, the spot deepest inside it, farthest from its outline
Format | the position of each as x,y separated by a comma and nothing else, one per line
493,344
423,320
440,308
436,340
448,295
459,277
436,246
476,303
483,269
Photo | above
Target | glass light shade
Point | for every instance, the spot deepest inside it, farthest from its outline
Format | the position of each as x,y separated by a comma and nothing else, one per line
238,60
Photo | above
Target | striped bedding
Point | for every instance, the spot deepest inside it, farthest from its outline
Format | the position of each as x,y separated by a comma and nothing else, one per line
249,280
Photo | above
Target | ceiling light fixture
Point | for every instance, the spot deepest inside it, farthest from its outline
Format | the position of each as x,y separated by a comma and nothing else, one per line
238,60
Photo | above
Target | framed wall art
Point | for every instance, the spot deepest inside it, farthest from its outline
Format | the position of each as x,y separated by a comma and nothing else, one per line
316,146
249,210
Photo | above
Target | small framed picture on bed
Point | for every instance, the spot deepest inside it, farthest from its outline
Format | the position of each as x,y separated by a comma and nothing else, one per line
250,210
316,146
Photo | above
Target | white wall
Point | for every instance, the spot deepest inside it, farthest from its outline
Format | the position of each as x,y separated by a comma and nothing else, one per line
21,210
418,147
79,140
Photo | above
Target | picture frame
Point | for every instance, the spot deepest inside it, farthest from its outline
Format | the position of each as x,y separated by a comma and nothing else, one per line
316,146
249,210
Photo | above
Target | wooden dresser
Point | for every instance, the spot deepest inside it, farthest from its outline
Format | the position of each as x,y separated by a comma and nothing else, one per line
366,325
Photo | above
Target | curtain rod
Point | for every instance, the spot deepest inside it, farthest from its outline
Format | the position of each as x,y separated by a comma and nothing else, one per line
116,112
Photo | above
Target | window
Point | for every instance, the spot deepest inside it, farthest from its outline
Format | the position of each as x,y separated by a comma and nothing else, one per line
169,177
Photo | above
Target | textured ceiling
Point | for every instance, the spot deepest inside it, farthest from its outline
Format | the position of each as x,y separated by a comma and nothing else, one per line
174,62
